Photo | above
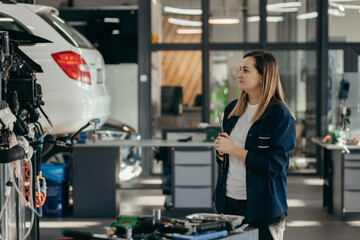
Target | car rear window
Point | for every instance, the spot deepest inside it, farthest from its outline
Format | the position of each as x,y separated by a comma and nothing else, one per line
66,31
9,23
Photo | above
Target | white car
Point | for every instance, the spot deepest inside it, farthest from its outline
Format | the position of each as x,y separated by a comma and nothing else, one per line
73,81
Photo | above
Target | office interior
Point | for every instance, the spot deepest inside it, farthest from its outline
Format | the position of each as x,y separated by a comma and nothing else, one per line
169,74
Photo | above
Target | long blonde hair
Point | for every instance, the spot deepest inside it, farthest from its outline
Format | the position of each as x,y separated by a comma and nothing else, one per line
272,90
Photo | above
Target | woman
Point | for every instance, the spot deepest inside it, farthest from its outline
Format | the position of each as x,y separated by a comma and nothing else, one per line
259,133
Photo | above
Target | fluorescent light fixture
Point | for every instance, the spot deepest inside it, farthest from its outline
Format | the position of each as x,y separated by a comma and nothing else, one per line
351,6
268,19
6,19
274,19
115,32
224,20
341,8
283,7
253,19
345,6
309,15
183,22
285,10
343,0
183,11
188,31
335,12
111,20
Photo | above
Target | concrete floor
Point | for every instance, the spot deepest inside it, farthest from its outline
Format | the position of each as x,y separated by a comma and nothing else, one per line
307,218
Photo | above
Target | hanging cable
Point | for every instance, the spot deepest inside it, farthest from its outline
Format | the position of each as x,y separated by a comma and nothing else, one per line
29,205
8,187
94,122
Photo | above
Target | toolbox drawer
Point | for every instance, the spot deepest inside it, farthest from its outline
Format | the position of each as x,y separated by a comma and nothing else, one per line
351,201
192,197
192,157
352,163
351,178
192,175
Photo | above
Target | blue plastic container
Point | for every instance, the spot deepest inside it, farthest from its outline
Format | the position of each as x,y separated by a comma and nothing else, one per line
57,182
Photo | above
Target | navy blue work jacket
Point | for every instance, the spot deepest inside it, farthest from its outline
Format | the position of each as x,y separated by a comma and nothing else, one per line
269,142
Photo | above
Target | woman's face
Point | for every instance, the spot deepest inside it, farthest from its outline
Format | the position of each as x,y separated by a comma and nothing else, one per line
248,76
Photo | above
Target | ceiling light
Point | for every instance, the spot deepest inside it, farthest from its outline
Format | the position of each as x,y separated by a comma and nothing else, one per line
253,19
6,19
274,19
309,15
183,22
283,7
343,0
268,19
111,20
284,10
183,11
345,6
335,12
188,31
341,8
224,20
351,6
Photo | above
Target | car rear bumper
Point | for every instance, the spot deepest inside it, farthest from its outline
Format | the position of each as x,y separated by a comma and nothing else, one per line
74,110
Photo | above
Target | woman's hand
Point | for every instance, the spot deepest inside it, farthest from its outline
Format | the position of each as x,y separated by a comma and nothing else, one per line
224,144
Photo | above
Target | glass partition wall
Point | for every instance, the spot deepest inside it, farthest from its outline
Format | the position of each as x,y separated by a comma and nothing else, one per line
234,21
291,21
176,89
212,36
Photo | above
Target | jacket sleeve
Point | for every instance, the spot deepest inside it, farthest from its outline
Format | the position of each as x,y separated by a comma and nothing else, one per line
273,161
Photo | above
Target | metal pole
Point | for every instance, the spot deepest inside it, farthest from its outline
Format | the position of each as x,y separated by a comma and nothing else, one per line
322,66
205,115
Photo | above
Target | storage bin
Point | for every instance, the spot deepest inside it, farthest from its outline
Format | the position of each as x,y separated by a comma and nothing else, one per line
56,175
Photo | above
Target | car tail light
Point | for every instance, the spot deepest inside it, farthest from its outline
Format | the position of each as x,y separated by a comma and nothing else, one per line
73,65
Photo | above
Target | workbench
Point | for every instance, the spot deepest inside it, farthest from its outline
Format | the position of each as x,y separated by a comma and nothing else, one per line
95,174
341,173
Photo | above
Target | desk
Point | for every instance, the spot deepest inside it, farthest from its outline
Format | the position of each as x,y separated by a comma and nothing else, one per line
96,170
341,173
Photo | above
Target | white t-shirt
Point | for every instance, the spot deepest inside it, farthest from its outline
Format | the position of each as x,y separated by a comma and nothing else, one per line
236,180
